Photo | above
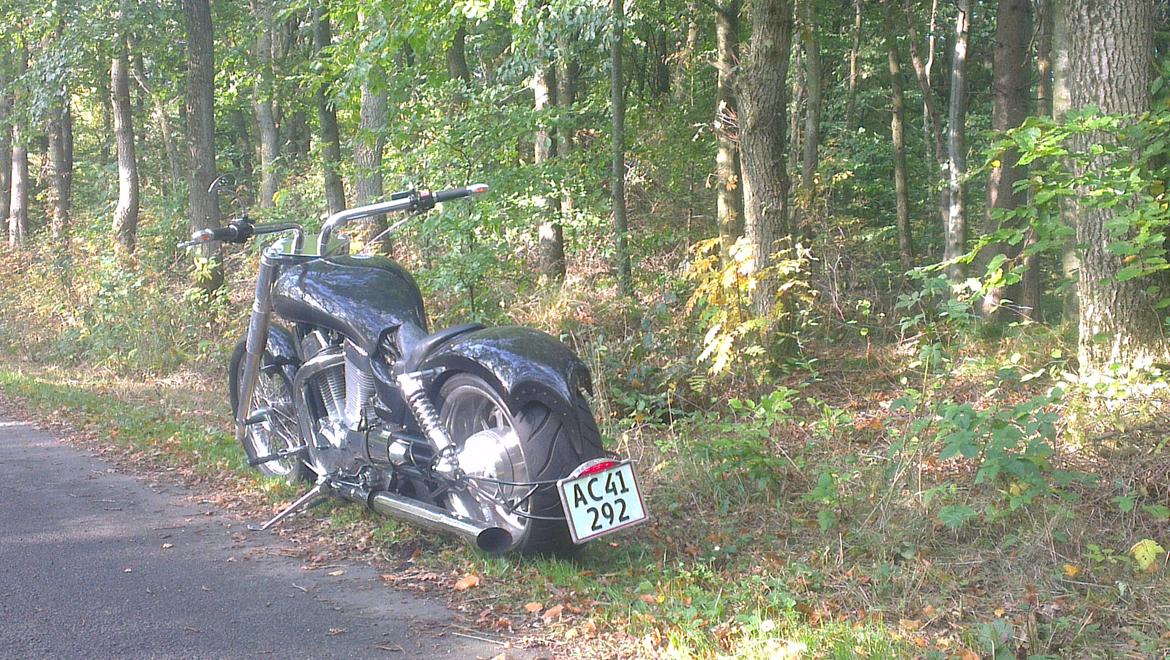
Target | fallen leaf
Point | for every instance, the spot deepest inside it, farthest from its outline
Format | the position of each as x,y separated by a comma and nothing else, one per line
340,571
1070,571
167,546
335,631
649,599
968,654
928,611
1147,553
552,613
909,624
467,582
533,607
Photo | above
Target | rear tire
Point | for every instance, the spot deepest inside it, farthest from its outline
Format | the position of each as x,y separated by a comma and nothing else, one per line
280,431
529,444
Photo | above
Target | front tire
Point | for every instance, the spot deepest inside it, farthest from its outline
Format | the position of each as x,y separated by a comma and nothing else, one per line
280,430
500,443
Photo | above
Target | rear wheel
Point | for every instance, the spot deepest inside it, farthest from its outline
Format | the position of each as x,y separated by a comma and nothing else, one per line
278,430
500,446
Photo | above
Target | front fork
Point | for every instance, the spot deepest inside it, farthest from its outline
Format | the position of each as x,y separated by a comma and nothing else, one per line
255,342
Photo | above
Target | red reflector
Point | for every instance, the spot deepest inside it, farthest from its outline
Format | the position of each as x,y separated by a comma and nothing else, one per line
600,467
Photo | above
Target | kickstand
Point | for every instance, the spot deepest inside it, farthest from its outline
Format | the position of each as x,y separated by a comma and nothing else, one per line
313,497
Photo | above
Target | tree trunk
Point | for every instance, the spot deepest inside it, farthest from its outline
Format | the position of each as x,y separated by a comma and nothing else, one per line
1030,294
18,211
618,174
812,109
851,98
1061,104
728,193
1009,108
898,138
327,118
955,231
126,213
367,150
262,103
551,247
174,160
684,63
5,136
569,74
761,88
60,169
1110,67
204,207
932,116
457,56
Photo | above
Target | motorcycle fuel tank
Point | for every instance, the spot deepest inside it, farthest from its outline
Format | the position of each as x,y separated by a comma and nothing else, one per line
359,297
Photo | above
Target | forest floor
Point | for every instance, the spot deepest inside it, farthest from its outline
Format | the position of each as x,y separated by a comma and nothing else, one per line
808,535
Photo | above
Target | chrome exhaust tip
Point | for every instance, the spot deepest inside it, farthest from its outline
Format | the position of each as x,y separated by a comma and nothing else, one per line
486,537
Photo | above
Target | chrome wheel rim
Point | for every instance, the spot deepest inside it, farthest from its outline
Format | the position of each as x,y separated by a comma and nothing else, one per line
488,446
278,430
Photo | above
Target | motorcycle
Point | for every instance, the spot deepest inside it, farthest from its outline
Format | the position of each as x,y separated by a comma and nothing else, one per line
485,433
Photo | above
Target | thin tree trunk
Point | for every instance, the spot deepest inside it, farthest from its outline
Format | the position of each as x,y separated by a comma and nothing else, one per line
932,117
262,103
18,211
5,135
795,148
106,114
955,231
550,233
569,73
728,193
60,170
684,64
1009,107
201,132
812,109
1031,293
1061,105
174,160
126,213
327,119
369,142
761,88
1110,67
618,174
898,138
851,98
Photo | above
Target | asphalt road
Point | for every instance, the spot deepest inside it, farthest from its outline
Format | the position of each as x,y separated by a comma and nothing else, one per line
95,564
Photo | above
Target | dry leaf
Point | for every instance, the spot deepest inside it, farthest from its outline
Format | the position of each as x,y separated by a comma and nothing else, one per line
340,571
167,546
1070,571
552,613
909,624
335,631
928,611
533,607
968,654
467,582
649,599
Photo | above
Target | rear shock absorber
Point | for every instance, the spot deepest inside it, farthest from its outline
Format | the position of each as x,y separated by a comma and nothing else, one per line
415,394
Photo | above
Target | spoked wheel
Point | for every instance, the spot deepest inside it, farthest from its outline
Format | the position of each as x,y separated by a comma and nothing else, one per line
501,449
278,430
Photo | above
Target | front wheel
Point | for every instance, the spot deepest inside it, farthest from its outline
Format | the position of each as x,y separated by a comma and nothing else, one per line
500,447
279,430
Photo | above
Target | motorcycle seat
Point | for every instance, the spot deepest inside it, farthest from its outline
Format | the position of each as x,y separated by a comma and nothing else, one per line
424,346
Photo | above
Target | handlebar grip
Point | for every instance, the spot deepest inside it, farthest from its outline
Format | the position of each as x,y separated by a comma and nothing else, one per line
456,193
237,231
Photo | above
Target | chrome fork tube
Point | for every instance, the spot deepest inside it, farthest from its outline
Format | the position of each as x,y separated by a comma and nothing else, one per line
256,340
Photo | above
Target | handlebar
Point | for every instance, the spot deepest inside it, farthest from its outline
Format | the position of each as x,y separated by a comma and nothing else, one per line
407,200
241,229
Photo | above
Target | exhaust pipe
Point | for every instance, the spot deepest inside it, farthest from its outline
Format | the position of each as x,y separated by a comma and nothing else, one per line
486,537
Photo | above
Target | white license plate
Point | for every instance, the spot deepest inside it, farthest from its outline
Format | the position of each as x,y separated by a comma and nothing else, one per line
600,497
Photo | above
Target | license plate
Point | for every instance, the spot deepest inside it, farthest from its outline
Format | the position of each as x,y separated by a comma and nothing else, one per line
600,497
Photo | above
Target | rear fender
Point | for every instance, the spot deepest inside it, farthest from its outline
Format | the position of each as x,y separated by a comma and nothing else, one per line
529,365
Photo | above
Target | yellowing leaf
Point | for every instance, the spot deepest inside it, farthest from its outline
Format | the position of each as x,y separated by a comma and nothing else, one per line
533,607
467,582
1070,571
1147,553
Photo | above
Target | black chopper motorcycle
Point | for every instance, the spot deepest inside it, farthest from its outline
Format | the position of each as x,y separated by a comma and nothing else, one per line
480,432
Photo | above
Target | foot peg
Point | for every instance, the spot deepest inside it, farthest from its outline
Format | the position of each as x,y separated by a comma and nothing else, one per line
313,497
283,453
